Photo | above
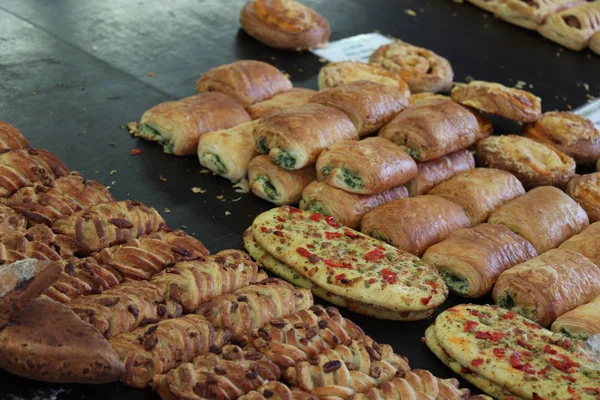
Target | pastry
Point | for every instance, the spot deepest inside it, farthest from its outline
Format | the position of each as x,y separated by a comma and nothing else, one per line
480,191
532,14
346,208
369,105
293,98
573,27
20,168
276,184
488,5
585,189
435,127
294,138
570,133
534,163
432,173
595,43
340,73
178,125
246,81
45,203
581,322
544,216
11,221
284,24
395,222
17,245
415,98
587,243
494,98
471,260
277,391
101,225
11,137
48,342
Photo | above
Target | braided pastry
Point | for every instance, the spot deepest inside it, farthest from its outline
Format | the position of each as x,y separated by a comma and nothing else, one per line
253,306
124,308
228,374
573,27
10,220
38,242
20,168
160,347
193,283
11,137
44,203
277,391
101,225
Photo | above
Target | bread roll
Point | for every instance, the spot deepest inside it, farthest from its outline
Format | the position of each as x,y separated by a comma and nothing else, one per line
587,243
581,322
574,27
293,98
585,189
11,137
432,173
530,15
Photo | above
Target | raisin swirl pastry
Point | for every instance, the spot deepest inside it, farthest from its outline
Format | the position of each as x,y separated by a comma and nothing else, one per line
277,391
574,27
10,220
11,137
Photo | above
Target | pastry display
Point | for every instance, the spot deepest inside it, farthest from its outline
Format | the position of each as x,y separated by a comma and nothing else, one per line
581,322
587,243
531,14
11,221
293,98
585,189
573,27
595,43
284,24
11,138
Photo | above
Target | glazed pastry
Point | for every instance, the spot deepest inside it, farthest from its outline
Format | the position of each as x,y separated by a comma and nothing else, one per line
101,225
10,220
545,287
178,125
531,15
20,168
415,98
158,348
581,322
480,191
488,5
595,43
544,216
574,27
395,222
294,138
587,243
192,283
45,203
422,69
18,245
369,105
284,24
346,208
585,189
340,73
11,138
570,133
278,185
246,81
293,98
494,98
432,173
253,306
277,391
435,127
471,260
534,163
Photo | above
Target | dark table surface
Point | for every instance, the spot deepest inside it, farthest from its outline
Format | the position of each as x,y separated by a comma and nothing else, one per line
73,72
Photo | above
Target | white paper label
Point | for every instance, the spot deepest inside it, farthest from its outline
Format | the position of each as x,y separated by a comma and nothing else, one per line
355,48
591,111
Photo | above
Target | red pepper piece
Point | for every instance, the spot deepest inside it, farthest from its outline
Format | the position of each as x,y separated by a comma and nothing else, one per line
334,264
310,246
372,281
316,217
568,378
510,315
433,285
303,252
483,335
515,360
294,210
476,362
549,350
374,255
425,300
499,352
263,229
390,276
570,390
476,313
350,234
135,152
280,219
279,233
531,325
469,325
339,277
333,235
497,336
331,222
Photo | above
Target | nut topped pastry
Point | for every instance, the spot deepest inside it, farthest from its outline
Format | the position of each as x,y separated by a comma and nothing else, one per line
11,137
574,27
532,13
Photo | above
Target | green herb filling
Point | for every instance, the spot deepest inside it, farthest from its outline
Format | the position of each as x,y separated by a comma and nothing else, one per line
268,187
285,160
457,284
352,179
216,165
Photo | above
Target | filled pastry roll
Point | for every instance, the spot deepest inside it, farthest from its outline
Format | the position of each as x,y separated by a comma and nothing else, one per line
544,216
574,135
587,243
368,166
278,185
227,152
494,98
346,208
581,322
293,98
416,223
435,127
246,81
11,220
369,105
422,69
585,189
595,43
432,173
480,191
534,163
532,14
471,260
294,138
284,24
11,137
574,27
549,285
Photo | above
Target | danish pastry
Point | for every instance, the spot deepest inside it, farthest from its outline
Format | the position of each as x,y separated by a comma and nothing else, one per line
11,221
532,14
11,137
574,27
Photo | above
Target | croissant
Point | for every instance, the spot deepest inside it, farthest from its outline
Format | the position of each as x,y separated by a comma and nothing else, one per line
10,220
585,190
101,225
581,322
11,138
277,391
573,27
193,283
432,173
158,348
283,101
587,243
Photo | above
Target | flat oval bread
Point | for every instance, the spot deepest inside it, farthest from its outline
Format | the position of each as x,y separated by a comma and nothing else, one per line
348,263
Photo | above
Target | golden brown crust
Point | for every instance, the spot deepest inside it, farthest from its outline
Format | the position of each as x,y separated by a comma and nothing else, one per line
534,163
340,73
574,27
284,24
581,322
532,13
595,43
585,189
293,98
587,243
277,391
246,81
395,222
38,242
415,98
11,221
11,137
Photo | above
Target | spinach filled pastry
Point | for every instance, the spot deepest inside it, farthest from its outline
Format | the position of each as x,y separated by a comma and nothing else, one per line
432,173
293,98
227,152
395,222
580,323
533,13
11,220
574,27
177,125
278,185
585,189
435,127
549,285
471,260
587,243
11,137
367,166
245,81
346,208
